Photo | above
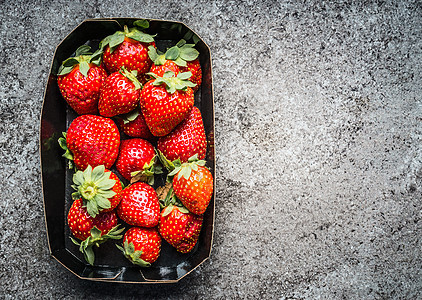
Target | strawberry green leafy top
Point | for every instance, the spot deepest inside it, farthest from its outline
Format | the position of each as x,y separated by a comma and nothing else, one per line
133,33
95,239
95,187
172,82
83,57
181,53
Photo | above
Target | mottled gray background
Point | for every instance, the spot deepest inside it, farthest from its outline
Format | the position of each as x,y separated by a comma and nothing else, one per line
318,135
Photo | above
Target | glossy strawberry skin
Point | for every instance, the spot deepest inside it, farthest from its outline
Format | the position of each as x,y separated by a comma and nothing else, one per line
137,128
131,54
93,140
80,92
168,65
133,155
186,140
195,192
164,111
118,95
146,240
139,205
195,68
181,230
81,223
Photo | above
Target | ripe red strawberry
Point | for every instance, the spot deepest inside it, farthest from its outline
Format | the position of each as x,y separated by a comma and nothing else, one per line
133,124
129,49
179,227
92,231
166,101
178,59
193,185
195,68
119,94
186,140
99,189
91,140
81,223
160,69
139,205
141,246
135,155
80,79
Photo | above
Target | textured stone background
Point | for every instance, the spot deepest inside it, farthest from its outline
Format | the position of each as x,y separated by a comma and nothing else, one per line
318,126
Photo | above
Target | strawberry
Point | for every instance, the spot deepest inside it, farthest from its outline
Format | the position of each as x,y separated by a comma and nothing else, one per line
91,140
193,185
179,227
139,205
92,231
195,68
135,155
133,124
129,49
161,65
99,189
141,246
179,59
166,101
80,78
186,140
119,94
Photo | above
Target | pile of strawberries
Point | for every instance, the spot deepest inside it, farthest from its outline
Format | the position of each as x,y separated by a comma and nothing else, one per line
136,119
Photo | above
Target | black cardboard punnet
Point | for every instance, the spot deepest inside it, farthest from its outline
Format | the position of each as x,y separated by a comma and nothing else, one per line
110,265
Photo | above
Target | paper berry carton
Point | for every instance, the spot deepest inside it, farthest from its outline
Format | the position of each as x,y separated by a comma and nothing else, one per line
110,265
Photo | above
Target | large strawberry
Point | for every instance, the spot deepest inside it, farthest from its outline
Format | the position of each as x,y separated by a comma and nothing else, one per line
119,93
133,124
186,140
92,231
135,155
141,246
193,185
179,227
139,205
80,78
99,189
166,101
91,140
129,49
180,58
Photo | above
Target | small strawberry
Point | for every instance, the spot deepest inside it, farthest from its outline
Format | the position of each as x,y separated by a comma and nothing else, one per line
186,140
99,189
179,227
80,78
166,101
195,68
139,205
133,124
179,59
92,231
193,185
91,140
141,246
129,49
135,155
161,65
119,93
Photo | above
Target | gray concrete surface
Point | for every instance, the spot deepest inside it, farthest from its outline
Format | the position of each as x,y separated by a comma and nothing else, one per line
318,133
